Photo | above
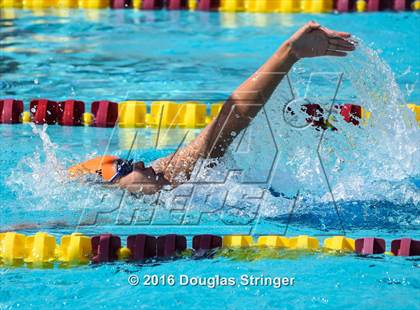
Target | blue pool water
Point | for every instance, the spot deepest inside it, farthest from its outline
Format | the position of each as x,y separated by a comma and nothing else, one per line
373,170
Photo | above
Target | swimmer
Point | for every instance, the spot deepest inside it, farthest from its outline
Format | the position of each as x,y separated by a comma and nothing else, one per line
312,40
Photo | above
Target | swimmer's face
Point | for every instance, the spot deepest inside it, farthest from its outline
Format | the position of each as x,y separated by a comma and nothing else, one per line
143,179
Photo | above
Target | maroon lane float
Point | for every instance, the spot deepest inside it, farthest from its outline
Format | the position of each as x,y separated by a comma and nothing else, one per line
105,113
71,112
10,111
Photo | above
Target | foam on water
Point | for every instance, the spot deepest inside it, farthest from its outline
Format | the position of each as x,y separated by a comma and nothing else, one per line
39,173
40,181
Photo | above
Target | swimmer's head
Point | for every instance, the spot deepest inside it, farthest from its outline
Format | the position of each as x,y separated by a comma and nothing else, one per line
138,178
102,166
143,180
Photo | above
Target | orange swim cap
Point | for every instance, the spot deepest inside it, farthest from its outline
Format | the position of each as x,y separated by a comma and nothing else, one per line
105,166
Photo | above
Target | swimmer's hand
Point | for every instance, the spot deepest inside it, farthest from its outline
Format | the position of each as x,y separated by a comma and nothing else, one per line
313,40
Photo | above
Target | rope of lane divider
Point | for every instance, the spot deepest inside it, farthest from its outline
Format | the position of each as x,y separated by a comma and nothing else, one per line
42,250
161,114
104,113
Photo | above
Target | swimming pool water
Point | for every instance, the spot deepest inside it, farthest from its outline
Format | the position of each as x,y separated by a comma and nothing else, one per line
119,55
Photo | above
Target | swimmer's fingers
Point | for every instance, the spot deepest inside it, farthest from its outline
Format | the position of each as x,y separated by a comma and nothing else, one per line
341,44
337,47
335,53
312,25
342,34
308,27
336,34
339,40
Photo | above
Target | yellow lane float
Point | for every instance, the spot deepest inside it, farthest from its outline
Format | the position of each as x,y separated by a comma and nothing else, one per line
75,248
26,117
87,119
232,5
164,114
124,253
360,6
339,243
68,4
39,4
303,243
416,110
11,3
93,4
273,241
132,114
317,6
273,6
237,241
40,248
12,246
193,115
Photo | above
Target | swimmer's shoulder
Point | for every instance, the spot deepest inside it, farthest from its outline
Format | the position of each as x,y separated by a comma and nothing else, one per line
160,164
163,165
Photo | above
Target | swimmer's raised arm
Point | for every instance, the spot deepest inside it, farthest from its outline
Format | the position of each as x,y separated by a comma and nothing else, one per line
247,100
312,40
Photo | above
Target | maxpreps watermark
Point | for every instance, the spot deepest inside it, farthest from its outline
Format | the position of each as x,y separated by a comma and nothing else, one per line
210,197
211,282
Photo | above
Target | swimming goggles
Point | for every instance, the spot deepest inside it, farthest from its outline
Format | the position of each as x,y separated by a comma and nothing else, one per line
124,167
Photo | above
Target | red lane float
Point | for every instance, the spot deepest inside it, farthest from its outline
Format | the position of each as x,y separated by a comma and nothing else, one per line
405,247
372,5
386,5
402,5
142,247
121,4
71,112
379,5
208,5
345,5
316,115
105,113
351,113
366,246
44,111
152,4
177,4
10,111
105,248
206,242
170,245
